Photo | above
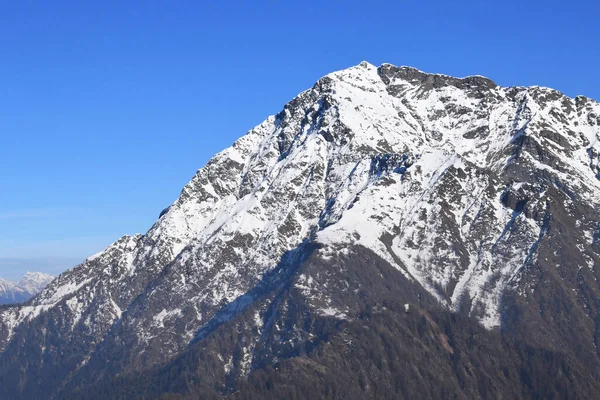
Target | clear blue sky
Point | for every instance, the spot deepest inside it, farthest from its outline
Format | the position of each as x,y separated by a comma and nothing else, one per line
107,108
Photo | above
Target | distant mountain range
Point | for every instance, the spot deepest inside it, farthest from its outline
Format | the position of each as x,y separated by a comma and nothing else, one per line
25,288
389,234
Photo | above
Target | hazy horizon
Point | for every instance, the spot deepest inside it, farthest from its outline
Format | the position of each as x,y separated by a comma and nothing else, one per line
14,268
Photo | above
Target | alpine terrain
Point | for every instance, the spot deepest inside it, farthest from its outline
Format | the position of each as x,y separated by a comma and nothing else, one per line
389,234
25,288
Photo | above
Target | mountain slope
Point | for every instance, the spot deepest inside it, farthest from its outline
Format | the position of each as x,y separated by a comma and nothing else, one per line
28,286
383,351
486,198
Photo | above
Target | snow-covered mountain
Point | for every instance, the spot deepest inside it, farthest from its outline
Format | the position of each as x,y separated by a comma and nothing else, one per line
483,201
28,286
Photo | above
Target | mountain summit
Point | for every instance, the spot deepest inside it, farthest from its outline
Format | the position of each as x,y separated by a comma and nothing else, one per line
387,228
28,286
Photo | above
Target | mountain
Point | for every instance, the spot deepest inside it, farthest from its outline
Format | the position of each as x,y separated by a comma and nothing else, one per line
28,286
389,234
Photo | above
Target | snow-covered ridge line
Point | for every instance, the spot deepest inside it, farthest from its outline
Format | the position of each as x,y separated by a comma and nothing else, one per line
408,67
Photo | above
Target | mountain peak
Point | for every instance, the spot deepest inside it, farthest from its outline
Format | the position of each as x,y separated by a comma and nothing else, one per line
27,286
366,64
35,280
456,189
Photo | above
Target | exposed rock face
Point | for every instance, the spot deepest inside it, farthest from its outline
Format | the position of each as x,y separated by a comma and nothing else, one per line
28,286
477,205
